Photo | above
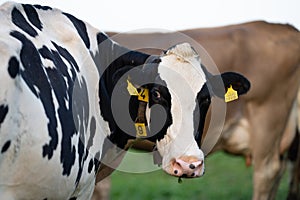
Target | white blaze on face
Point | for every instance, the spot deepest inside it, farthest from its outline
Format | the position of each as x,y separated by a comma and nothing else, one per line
180,69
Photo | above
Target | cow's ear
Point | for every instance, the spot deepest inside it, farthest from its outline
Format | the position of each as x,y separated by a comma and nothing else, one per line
139,75
220,84
150,67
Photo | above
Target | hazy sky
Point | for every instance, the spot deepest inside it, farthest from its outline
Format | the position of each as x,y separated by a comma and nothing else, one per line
128,15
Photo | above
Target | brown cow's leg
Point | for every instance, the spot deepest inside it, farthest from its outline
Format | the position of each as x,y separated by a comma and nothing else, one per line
266,177
294,156
102,190
283,164
265,145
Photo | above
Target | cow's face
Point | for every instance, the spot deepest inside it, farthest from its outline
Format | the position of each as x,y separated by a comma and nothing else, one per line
180,79
179,99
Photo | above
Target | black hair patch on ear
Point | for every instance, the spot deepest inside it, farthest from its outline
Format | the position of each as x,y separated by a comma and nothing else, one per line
239,83
220,83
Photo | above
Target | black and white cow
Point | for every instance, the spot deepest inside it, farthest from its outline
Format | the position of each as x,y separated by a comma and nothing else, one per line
69,95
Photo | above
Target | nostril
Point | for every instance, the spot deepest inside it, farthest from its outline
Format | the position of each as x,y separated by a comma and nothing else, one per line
192,166
175,171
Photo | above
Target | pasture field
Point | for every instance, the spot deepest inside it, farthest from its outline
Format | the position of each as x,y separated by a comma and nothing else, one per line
226,178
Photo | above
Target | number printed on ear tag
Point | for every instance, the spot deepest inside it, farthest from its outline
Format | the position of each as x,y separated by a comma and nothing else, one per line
231,94
140,130
144,95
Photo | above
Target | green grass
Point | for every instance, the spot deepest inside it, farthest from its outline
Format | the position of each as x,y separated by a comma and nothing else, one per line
226,177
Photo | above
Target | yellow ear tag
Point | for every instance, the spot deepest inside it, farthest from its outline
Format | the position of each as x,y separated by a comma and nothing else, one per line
131,89
231,94
144,95
140,130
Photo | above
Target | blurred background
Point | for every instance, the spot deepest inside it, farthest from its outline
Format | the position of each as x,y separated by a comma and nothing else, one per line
129,15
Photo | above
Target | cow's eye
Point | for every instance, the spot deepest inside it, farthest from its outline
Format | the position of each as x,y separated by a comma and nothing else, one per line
156,95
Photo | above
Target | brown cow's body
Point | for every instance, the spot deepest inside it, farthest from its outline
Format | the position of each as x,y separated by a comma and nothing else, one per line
269,55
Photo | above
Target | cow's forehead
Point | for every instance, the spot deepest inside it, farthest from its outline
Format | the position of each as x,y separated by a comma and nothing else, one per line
181,69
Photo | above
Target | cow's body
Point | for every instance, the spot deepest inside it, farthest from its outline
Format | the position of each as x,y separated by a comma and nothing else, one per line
70,99
26,126
269,55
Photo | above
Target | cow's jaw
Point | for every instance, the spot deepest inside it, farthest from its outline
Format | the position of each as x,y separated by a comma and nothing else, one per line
179,150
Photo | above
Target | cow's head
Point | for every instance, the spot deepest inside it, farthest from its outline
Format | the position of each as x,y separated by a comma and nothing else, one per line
180,91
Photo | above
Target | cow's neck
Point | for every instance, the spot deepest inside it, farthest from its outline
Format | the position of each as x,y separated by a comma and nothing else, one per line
113,61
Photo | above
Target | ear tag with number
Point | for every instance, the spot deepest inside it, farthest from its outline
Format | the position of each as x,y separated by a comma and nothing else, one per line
231,95
144,95
140,130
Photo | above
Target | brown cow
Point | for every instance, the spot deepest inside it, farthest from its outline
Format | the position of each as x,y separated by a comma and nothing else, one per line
263,127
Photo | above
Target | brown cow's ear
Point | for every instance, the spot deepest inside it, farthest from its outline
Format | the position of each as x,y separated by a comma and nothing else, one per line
220,84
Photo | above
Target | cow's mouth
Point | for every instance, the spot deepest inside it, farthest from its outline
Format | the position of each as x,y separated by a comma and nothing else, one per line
183,176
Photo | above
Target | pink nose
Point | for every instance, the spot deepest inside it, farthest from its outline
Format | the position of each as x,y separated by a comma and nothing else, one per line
187,167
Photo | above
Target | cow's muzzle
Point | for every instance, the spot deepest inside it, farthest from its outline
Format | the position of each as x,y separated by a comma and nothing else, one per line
187,167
